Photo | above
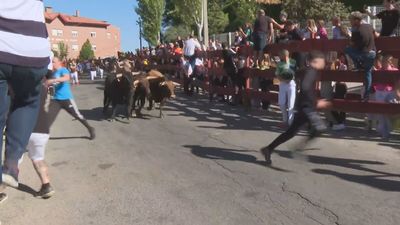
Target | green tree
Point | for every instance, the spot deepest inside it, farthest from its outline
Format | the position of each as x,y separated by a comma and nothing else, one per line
172,32
314,9
86,52
62,50
190,13
240,12
151,12
218,19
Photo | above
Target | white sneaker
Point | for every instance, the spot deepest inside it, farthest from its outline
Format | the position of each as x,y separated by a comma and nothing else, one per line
338,127
10,180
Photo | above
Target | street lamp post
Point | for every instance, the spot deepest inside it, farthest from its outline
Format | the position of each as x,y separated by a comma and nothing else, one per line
205,16
139,22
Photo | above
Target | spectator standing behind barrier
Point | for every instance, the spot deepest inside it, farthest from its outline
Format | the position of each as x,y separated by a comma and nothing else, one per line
381,93
305,105
362,49
394,98
311,30
287,86
390,18
322,33
24,56
339,31
231,70
262,35
294,34
340,91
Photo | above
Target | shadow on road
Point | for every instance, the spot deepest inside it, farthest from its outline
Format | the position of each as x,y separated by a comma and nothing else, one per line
226,117
375,180
215,153
26,189
68,138
95,114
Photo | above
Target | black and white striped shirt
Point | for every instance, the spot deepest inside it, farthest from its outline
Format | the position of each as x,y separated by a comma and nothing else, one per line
23,34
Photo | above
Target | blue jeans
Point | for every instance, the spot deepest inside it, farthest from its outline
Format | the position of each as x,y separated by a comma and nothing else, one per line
363,60
19,117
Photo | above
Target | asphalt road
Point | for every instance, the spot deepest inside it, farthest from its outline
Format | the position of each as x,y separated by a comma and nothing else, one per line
200,165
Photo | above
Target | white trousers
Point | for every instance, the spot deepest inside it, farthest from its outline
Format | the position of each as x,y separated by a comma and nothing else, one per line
287,99
74,77
93,74
36,147
101,71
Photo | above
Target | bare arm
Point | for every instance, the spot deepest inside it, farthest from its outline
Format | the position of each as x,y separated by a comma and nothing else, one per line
277,25
271,33
64,78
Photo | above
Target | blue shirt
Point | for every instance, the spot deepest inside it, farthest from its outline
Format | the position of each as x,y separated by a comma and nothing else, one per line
62,90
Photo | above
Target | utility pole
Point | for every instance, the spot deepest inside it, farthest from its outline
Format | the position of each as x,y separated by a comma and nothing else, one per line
139,22
205,27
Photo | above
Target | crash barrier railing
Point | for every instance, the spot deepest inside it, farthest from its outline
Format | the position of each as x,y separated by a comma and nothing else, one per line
351,103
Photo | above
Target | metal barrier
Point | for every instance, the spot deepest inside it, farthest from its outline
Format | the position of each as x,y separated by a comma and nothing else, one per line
390,45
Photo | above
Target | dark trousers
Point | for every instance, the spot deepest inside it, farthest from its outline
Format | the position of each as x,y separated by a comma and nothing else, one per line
19,118
69,106
300,119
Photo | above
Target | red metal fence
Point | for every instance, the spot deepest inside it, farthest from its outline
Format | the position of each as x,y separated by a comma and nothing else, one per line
389,45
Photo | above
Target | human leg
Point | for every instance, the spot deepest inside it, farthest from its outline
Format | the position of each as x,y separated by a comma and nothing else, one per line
368,62
282,99
72,109
26,85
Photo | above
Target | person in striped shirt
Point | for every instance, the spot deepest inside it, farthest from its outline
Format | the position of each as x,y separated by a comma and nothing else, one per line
24,56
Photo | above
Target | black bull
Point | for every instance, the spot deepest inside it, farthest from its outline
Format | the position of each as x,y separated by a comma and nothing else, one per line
118,91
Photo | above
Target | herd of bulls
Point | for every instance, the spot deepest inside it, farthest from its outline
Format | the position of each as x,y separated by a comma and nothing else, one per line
131,89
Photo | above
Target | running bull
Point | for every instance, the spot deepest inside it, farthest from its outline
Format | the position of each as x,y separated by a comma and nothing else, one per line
160,90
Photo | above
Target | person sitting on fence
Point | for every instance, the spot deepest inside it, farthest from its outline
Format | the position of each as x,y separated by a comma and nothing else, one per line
362,49
287,86
390,18
381,92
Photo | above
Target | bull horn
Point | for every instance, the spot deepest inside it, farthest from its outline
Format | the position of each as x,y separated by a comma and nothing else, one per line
176,84
136,73
135,83
119,75
152,78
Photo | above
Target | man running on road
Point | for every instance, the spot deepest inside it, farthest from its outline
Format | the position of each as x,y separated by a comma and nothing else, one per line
306,103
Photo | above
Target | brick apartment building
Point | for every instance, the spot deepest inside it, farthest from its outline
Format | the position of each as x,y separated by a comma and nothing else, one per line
75,30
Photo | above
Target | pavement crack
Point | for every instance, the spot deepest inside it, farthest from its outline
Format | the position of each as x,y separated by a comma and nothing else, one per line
327,212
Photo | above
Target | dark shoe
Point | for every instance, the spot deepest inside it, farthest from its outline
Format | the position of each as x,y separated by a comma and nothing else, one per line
92,133
266,152
3,197
46,191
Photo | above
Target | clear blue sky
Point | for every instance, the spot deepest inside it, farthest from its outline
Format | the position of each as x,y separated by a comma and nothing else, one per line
119,13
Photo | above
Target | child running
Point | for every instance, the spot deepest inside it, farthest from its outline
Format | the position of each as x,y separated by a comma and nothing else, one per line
63,98
306,106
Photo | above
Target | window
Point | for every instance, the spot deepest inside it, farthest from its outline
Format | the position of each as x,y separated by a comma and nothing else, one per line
108,35
93,34
54,47
75,47
94,47
74,34
57,33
